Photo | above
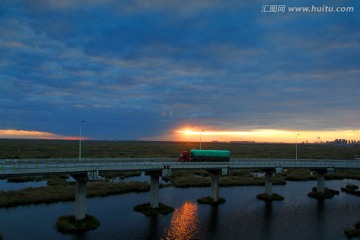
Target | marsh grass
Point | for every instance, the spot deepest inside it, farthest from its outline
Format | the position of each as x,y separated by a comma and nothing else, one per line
185,178
68,224
210,200
351,189
298,175
147,210
58,193
268,198
329,193
25,179
343,174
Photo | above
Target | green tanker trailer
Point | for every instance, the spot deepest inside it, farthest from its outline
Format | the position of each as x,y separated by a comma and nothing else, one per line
195,155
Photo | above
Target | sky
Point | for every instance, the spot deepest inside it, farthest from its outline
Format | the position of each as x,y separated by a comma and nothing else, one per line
180,70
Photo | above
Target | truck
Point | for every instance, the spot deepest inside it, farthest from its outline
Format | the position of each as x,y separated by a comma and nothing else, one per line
196,155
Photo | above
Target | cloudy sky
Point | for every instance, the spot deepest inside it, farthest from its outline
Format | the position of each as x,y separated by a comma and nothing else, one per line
143,70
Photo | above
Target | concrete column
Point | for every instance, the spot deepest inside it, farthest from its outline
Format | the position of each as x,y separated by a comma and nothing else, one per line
321,181
214,185
268,182
80,198
154,190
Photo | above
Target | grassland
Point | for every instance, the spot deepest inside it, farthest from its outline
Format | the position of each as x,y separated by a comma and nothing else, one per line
20,149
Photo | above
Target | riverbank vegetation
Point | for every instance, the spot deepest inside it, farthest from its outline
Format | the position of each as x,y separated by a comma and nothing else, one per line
210,200
147,210
351,189
269,198
60,190
328,193
201,178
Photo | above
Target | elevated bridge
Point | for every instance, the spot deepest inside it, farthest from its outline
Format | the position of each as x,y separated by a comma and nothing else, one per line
87,169
16,167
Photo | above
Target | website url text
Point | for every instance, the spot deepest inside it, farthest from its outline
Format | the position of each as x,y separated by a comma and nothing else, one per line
312,9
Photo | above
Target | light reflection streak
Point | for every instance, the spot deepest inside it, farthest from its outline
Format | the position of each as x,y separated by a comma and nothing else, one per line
184,223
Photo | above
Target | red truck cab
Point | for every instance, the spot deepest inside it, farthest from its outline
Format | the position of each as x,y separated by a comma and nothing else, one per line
184,156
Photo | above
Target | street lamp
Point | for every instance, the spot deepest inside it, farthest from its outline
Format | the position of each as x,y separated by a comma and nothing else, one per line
200,138
296,152
81,123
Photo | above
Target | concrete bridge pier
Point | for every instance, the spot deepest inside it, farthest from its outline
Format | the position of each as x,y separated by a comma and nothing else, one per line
154,189
321,180
268,181
80,196
214,176
268,195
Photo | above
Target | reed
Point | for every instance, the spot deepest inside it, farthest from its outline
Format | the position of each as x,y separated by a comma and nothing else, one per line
68,224
268,198
351,189
147,210
329,193
210,200
58,193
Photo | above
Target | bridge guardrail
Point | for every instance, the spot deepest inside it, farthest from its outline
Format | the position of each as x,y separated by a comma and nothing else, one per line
123,164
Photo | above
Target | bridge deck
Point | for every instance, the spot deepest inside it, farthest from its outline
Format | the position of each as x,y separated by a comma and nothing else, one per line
73,165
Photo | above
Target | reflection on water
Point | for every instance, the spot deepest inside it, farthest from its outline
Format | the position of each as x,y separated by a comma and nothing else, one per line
243,217
79,236
214,213
184,222
267,219
153,228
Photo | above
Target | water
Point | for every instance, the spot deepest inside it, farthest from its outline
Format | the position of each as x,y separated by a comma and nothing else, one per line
241,217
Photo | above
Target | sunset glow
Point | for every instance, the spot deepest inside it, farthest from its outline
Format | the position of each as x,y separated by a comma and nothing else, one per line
193,135
25,134
267,135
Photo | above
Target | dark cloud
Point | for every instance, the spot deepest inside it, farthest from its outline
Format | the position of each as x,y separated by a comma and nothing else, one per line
135,70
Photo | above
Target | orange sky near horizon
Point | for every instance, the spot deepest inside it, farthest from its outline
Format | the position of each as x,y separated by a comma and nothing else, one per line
268,135
194,134
26,134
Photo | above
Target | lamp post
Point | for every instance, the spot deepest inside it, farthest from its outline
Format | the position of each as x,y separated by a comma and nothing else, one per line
200,137
81,123
296,152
